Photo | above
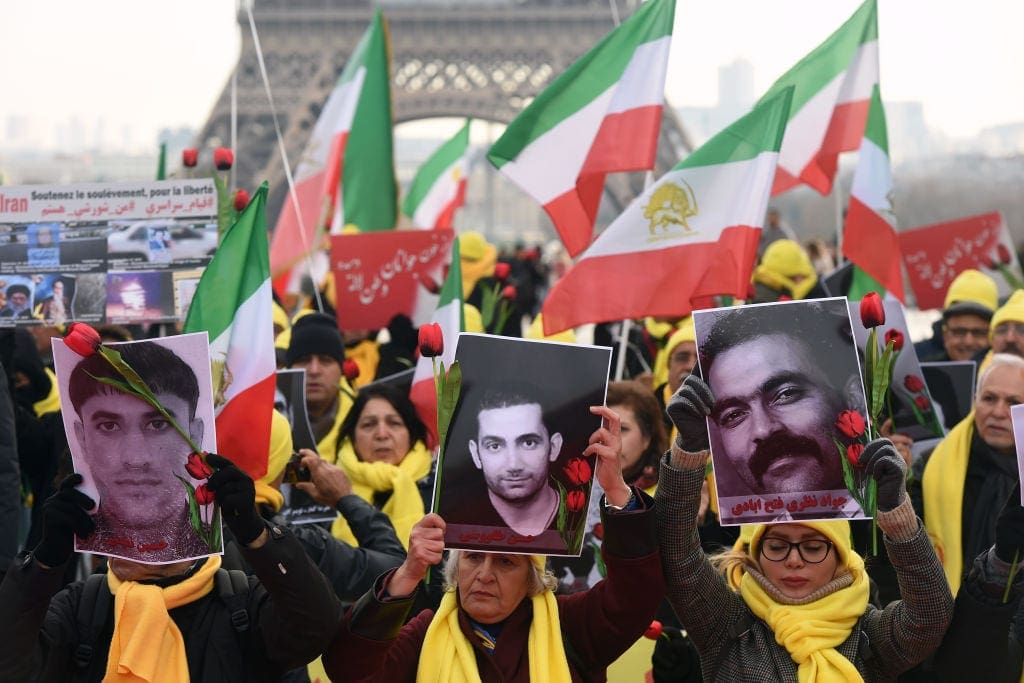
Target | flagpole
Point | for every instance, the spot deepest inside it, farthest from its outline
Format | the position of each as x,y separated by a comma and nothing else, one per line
627,325
292,194
837,194
615,13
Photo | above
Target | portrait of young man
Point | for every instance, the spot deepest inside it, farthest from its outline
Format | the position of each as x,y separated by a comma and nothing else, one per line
130,454
513,453
781,374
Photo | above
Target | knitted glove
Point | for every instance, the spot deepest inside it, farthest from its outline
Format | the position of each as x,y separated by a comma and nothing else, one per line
1010,528
64,517
881,461
688,409
235,492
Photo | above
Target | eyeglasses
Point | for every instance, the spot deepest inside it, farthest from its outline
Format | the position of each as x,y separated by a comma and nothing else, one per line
814,550
1005,328
962,332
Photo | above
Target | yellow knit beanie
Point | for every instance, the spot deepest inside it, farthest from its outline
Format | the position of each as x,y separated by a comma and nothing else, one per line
971,292
1013,310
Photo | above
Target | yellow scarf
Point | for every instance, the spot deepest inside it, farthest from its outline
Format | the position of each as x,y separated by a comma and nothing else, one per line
147,645
51,403
942,486
327,447
268,495
448,656
811,632
366,354
404,507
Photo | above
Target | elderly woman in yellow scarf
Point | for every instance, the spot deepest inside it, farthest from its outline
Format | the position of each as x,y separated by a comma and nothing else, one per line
383,452
791,601
499,619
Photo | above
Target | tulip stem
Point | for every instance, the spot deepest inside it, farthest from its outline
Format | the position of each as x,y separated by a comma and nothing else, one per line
1013,572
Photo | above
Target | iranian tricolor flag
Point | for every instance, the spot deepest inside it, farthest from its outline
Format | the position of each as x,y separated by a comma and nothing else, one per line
869,236
449,316
830,102
346,174
233,304
439,187
601,116
692,234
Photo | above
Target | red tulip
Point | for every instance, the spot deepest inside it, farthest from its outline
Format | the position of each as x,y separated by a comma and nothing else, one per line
509,293
350,368
189,157
599,531
923,403
896,337
578,471
853,453
850,423
241,200
785,297
989,263
501,271
654,630
1003,252
204,496
431,340
913,383
223,158
82,339
575,500
197,467
872,313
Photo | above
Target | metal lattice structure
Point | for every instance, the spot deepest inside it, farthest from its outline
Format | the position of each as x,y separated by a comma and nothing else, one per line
481,58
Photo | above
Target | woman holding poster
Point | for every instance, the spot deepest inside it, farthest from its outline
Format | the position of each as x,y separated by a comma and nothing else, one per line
790,600
500,619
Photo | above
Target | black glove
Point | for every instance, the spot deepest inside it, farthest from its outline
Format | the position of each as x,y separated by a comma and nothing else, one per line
675,658
64,517
688,409
235,492
1010,528
881,461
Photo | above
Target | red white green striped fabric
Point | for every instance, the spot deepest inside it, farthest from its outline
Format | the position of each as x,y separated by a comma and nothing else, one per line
691,235
232,304
601,116
350,153
869,236
449,316
830,102
439,187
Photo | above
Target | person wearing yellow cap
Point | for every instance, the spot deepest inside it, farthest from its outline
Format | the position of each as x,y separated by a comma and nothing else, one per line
963,331
674,363
785,271
791,601
1007,330
500,619
478,259
165,623
350,570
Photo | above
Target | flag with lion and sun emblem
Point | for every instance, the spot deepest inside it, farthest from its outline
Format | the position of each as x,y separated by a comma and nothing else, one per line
690,235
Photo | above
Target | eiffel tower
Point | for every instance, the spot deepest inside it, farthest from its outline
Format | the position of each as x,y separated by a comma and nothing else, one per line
485,59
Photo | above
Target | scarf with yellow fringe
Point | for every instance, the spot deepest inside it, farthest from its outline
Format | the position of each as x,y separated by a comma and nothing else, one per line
448,656
404,507
146,644
942,486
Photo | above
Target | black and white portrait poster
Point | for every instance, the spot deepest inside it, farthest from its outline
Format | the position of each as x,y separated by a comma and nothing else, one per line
290,401
152,504
781,374
513,476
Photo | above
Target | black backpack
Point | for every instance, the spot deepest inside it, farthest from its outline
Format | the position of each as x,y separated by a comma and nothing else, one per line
94,608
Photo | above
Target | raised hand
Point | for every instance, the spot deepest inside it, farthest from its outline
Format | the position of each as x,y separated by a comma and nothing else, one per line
882,462
688,409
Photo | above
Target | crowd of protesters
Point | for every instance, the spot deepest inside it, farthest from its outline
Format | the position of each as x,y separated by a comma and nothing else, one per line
375,595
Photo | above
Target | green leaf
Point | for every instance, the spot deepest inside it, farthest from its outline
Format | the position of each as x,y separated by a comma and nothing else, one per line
848,479
194,519
136,382
487,305
448,399
215,530
870,354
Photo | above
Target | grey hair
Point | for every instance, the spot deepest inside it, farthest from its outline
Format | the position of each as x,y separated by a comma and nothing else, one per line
1000,360
539,581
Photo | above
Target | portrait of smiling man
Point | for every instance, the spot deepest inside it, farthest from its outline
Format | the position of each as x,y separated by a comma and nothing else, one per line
514,449
134,455
781,375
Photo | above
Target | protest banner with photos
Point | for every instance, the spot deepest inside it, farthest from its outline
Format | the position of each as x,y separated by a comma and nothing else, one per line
909,403
513,475
104,252
152,503
786,377
935,254
380,274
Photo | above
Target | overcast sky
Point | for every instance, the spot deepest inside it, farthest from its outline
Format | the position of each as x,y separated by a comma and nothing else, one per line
149,65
